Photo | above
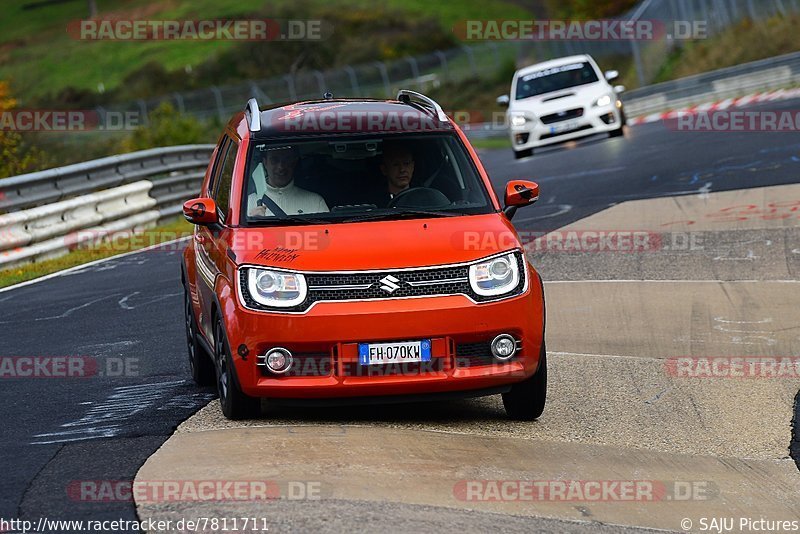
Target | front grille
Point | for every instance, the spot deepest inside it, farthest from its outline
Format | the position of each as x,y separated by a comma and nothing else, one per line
305,364
562,116
472,354
367,286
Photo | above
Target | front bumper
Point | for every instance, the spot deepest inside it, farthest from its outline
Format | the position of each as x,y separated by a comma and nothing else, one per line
594,120
330,333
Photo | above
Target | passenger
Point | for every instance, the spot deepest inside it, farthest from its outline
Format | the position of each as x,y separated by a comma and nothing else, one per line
275,173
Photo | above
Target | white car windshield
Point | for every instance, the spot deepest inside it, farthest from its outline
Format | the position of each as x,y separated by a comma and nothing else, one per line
555,79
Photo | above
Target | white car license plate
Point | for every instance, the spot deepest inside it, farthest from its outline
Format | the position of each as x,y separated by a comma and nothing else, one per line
400,352
564,126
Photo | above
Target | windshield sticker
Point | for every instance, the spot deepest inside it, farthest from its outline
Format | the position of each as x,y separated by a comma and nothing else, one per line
550,71
278,254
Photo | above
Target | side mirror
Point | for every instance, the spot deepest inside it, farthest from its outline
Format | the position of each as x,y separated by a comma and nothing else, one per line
612,75
502,101
619,89
520,193
202,211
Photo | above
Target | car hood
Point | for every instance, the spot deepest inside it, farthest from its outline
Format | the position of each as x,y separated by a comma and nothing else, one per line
574,97
375,244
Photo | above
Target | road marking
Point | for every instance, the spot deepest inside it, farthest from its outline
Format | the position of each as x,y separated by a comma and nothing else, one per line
123,302
107,419
76,308
91,263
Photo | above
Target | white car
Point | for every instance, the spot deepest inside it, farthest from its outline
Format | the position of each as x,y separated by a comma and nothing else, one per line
559,100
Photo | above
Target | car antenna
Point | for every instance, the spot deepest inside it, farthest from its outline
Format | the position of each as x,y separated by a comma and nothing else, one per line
328,96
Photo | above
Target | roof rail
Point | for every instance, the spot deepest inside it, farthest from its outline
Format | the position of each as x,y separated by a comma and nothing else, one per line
407,96
254,118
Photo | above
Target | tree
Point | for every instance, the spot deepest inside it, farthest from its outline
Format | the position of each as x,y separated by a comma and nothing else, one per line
15,158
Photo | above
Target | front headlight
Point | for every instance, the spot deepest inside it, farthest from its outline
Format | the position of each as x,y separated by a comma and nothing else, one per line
276,288
495,276
518,120
603,101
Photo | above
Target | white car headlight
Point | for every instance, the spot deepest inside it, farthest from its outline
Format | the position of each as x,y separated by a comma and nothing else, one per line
518,120
276,288
495,276
603,101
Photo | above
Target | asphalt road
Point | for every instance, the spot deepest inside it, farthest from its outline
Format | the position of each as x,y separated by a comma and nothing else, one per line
58,432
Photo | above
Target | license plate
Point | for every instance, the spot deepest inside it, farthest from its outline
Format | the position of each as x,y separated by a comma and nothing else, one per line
564,126
400,352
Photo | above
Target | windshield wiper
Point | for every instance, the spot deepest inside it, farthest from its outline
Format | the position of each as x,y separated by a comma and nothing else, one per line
403,214
285,221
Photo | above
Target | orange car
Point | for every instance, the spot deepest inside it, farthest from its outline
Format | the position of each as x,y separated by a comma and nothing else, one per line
353,250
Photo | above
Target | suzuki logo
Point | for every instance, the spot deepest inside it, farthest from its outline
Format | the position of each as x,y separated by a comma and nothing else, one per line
389,283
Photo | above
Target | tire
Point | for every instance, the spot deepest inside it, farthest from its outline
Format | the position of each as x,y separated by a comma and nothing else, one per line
200,364
619,132
235,404
526,400
519,154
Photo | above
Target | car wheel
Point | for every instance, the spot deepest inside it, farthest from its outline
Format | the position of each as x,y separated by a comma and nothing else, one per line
619,132
519,154
200,363
234,403
526,400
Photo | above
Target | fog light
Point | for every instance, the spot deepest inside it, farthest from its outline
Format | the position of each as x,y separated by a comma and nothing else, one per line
278,360
504,347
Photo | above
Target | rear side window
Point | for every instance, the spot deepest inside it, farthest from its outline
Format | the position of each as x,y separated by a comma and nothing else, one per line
218,160
222,195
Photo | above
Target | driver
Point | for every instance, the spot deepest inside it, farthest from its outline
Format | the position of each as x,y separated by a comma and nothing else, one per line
276,173
397,168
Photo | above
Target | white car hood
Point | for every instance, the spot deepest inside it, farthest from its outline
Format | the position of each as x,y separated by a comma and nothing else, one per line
577,97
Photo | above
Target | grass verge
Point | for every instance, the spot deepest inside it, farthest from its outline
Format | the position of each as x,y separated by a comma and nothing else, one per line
118,245
492,143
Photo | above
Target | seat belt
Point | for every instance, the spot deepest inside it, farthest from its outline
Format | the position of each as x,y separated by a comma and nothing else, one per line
273,207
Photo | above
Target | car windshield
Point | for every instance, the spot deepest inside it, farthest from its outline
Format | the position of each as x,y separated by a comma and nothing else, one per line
358,178
555,79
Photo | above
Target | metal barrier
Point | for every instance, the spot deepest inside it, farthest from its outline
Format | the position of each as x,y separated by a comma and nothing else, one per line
767,74
34,189
83,203
51,230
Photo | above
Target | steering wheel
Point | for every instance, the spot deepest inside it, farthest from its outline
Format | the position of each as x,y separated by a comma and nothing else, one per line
426,197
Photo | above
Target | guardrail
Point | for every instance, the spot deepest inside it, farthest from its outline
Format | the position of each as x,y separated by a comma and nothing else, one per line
763,75
34,189
83,203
